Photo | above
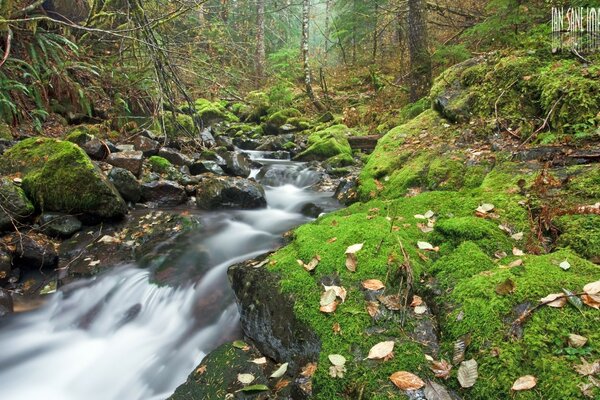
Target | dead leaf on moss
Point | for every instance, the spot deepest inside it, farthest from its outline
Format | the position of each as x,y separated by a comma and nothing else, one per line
577,341
391,302
588,369
328,309
485,208
467,373
556,300
351,259
506,287
406,381
416,301
339,291
590,302
328,297
524,383
381,350
518,252
435,391
336,328
373,284
372,308
309,370
441,369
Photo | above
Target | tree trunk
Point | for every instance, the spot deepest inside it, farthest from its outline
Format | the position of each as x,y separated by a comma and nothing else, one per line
68,10
420,60
328,6
260,42
375,35
305,53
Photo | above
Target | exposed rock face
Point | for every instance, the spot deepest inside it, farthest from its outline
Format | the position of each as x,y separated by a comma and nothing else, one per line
174,156
268,318
132,161
204,167
33,253
59,225
146,145
59,176
229,193
126,184
13,204
237,164
164,193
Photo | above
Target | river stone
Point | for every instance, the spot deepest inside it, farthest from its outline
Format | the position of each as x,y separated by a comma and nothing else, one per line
237,164
225,141
267,317
204,167
6,303
146,145
347,191
207,138
132,161
95,148
229,193
33,254
245,143
276,143
174,157
164,193
5,266
59,225
126,184
14,204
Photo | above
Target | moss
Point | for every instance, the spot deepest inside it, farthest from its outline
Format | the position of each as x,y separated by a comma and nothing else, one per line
542,351
484,233
327,143
446,173
341,160
182,125
160,165
581,233
281,117
466,261
210,112
5,133
79,135
59,176
585,182
14,204
302,124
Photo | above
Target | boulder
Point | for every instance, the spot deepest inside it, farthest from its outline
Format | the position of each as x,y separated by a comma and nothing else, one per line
174,157
205,167
132,161
245,143
229,193
95,148
33,252
5,266
146,145
238,164
59,176
268,318
164,193
277,143
59,225
14,204
126,184
6,303
327,143
207,138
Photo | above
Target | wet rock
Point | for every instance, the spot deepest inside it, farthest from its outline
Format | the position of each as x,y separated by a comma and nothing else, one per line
164,193
237,164
205,167
347,191
207,138
267,317
126,184
229,193
225,141
246,143
174,157
33,253
311,210
146,145
5,266
14,204
132,161
95,148
6,303
276,143
125,147
59,225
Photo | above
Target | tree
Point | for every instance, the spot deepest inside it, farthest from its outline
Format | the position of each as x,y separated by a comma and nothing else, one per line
260,41
306,55
420,59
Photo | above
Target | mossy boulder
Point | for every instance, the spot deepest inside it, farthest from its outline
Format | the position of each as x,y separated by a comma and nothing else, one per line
484,233
280,118
160,165
581,233
327,143
255,107
14,204
210,112
5,133
59,176
181,125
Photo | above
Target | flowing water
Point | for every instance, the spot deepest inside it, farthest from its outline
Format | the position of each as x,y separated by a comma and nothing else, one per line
121,336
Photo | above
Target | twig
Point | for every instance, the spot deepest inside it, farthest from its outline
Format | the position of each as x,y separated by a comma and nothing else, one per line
538,130
7,47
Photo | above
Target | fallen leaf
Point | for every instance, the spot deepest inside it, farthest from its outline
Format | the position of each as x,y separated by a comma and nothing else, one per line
588,369
239,344
516,263
337,371
441,369
506,287
259,361
254,388
590,302
332,240
416,301
309,370
565,265
485,208
246,379
517,252
556,300
517,236
280,371
406,381
338,290
460,348
312,264
328,297
337,359
281,384
373,284
425,246
372,308
524,383
577,341
592,288
435,391
425,228
381,350
109,239
467,373
200,370
420,310
336,328
391,302
429,214
328,309
351,259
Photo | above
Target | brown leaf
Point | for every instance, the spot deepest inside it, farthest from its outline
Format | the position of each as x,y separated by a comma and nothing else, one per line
416,301
592,288
283,383
311,265
351,259
467,373
406,381
381,350
460,347
577,341
590,301
524,383
372,308
200,370
586,368
506,287
338,290
332,240
336,328
435,391
391,302
517,252
328,297
517,263
328,309
373,284
556,300
309,370
441,369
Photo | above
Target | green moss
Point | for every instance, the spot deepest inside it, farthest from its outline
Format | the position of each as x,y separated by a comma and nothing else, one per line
210,112
446,173
59,176
5,133
159,164
327,143
484,233
581,233
585,182
302,124
466,261
341,160
182,125
281,117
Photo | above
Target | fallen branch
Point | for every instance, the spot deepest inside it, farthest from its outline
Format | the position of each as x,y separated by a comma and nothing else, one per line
7,47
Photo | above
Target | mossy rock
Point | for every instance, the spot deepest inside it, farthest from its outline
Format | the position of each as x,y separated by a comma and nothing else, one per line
182,125
280,118
159,164
327,143
59,176
581,233
15,206
465,261
585,182
339,161
5,132
210,112
484,233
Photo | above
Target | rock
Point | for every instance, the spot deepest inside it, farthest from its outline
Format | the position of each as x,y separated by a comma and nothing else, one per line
132,161
207,138
126,183
6,303
229,193
33,253
245,143
164,193
174,156
96,149
58,176
146,145
5,266
267,317
237,164
59,225
225,141
276,143
205,167
14,204
311,210
125,147
347,191
327,143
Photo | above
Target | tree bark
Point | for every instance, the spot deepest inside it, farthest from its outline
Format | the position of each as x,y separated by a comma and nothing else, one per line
420,59
260,42
305,54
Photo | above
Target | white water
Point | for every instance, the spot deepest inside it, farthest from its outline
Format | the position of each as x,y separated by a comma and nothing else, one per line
121,337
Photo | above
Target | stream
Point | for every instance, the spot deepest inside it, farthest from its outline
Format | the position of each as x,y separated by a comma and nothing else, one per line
121,336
